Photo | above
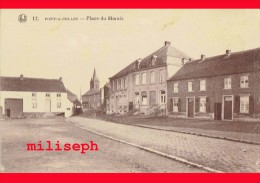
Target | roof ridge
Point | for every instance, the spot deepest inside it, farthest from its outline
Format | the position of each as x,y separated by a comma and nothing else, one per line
14,77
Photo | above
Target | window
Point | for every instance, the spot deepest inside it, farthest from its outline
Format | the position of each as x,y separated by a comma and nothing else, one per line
162,76
34,95
34,104
122,83
48,95
58,104
175,87
137,98
143,81
227,83
244,82
202,85
152,77
203,102
125,83
162,97
119,84
115,84
190,86
137,79
175,105
244,104
144,98
58,95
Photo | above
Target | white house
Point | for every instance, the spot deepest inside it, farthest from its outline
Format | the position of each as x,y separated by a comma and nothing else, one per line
21,96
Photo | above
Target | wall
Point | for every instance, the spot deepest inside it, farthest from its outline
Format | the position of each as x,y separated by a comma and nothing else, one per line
215,91
27,101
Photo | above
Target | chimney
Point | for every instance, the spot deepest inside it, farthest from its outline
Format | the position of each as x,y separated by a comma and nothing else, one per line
202,57
21,77
60,79
166,43
228,52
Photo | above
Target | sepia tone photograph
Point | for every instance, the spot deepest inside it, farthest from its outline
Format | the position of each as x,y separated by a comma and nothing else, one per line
129,90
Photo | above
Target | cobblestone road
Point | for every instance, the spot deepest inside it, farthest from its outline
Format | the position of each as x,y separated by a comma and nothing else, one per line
218,154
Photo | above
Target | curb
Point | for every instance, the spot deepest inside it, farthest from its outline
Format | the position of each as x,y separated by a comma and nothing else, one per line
151,150
202,135
183,132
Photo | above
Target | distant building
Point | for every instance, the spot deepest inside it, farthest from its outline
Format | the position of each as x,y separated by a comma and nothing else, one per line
105,95
91,99
22,97
223,87
141,86
74,106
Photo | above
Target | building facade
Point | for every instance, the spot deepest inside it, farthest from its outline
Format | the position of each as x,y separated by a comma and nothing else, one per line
91,99
141,86
22,97
223,87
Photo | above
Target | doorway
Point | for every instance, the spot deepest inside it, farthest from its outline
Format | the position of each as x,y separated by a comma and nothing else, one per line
191,107
228,107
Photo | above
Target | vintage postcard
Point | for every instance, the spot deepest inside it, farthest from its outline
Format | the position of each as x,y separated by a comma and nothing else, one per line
129,90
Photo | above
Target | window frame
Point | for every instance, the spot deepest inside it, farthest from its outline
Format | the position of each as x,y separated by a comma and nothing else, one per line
205,85
243,83
229,85
244,106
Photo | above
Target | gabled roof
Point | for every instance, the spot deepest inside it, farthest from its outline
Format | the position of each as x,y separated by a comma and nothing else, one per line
91,92
31,84
73,98
234,63
161,56
161,59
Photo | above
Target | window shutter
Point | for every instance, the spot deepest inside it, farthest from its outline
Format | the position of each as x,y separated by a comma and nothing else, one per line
197,104
179,105
207,105
251,104
171,105
237,104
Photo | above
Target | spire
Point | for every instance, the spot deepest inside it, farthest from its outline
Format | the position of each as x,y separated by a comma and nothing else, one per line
95,78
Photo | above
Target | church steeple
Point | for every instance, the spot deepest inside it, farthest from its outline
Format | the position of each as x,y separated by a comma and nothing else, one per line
94,82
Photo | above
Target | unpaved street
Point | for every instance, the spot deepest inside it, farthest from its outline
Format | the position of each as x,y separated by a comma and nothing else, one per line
111,157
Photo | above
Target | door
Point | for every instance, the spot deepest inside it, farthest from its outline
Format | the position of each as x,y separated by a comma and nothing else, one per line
190,107
228,100
14,107
47,105
217,111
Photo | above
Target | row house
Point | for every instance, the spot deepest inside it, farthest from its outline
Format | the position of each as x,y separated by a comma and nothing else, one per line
223,87
141,86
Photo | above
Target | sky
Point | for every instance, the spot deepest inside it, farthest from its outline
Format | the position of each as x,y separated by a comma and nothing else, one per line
70,49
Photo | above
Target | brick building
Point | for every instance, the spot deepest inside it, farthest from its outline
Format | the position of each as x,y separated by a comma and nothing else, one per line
223,87
91,99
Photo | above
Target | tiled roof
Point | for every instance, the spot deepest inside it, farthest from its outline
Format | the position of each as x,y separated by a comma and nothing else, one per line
73,98
31,84
161,59
161,56
91,92
128,69
235,63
